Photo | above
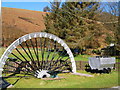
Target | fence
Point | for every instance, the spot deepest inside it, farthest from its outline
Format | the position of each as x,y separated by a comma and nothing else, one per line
117,66
79,64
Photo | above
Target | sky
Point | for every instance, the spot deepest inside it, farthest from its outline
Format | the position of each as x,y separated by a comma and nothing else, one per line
37,6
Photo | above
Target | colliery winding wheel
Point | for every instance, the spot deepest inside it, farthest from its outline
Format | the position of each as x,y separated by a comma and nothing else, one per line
37,54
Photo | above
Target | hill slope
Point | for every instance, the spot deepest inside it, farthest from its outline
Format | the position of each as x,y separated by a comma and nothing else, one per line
18,22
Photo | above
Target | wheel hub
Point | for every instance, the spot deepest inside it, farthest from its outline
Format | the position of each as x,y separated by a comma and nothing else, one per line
42,74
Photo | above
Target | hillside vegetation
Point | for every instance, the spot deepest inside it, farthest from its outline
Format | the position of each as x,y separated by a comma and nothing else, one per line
18,22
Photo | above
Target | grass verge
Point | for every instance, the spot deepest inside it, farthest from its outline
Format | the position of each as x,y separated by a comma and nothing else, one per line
71,81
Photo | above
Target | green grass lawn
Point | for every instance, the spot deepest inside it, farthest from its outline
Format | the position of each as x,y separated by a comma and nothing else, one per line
82,57
71,81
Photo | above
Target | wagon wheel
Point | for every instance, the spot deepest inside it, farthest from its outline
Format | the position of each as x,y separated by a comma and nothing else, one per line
34,53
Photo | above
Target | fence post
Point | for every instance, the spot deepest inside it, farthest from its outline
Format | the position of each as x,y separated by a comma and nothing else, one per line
80,65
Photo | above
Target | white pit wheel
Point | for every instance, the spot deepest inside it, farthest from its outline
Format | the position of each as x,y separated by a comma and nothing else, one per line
36,52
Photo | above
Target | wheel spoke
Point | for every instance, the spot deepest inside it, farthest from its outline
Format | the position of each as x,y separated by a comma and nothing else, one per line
28,55
58,59
24,58
33,61
61,65
61,54
19,59
37,54
42,52
34,50
54,63
53,56
48,55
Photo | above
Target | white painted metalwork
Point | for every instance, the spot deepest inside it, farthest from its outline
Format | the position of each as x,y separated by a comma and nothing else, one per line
34,35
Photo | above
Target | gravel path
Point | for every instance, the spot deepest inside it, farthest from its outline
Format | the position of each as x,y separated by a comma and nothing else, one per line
81,74
116,87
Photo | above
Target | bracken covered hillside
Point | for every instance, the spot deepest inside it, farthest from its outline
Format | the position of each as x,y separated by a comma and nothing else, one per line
18,22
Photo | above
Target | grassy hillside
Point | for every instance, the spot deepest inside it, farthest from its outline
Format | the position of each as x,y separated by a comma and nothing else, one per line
18,22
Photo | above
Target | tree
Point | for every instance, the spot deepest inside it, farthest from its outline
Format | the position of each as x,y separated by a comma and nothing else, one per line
71,23
46,9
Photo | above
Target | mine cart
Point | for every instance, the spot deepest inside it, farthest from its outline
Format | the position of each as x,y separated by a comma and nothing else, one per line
101,64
